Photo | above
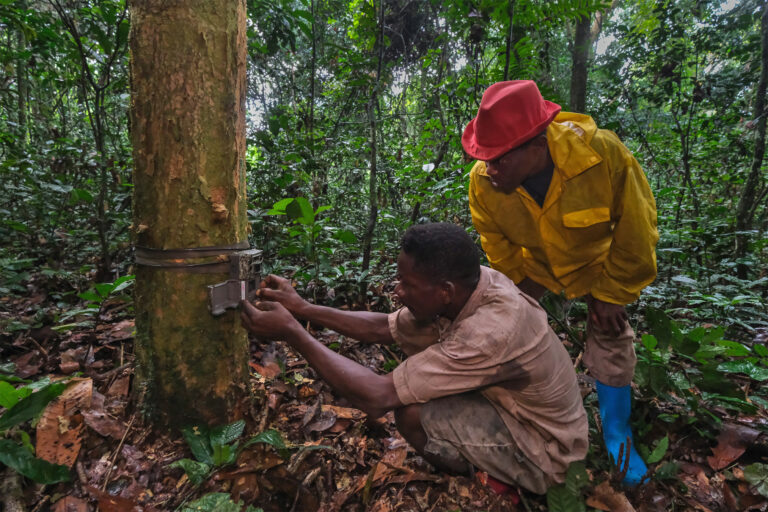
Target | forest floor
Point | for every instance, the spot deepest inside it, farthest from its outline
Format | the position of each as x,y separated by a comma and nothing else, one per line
318,453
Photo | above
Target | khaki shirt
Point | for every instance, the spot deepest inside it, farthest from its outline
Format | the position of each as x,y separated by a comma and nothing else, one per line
500,344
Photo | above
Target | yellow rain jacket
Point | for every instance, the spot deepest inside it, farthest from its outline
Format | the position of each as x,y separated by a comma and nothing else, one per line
596,232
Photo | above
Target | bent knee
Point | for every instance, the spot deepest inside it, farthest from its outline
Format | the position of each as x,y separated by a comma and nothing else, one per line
408,417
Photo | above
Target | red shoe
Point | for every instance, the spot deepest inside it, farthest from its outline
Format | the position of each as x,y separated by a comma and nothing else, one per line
498,486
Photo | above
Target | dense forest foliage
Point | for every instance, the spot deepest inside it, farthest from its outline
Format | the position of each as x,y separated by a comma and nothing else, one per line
355,111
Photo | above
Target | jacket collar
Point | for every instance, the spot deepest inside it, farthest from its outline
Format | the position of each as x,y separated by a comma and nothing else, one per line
568,138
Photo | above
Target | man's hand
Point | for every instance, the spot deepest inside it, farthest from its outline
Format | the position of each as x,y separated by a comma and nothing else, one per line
279,289
531,288
606,316
268,320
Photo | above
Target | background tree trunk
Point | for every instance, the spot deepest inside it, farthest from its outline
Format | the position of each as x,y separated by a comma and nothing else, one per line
579,59
188,134
587,32
745,210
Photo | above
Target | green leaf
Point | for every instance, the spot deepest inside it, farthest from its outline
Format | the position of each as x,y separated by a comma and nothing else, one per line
123,283
301,211
345,236
224,454
104,289
90,297
7,367
658,453
271,437
8,395
227,433
31,406
19,458
560,499
199,445
196,471
755,372
757,475
577,477
279,207
214,502
649,341
662,327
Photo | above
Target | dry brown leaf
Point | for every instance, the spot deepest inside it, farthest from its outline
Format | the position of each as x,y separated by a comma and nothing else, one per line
58,432
699,486
321,422
269,370
606,498
71,504
345,413
732,442
122,330
28,364
120,387
104,424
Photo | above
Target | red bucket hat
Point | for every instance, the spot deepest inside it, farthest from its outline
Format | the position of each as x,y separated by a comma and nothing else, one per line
511,113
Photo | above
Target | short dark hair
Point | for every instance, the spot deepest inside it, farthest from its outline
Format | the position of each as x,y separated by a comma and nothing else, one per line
443,252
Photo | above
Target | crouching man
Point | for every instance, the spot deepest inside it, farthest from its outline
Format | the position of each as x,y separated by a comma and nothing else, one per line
486,385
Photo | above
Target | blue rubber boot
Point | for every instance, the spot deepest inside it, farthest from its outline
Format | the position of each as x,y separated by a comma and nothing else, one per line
615,407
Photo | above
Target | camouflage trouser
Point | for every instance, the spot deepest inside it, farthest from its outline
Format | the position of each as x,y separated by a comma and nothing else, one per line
466,432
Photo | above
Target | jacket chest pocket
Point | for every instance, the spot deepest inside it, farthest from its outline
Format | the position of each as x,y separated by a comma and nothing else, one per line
587,225
587,217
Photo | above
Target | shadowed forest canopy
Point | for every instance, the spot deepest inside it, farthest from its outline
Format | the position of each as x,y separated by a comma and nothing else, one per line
354,112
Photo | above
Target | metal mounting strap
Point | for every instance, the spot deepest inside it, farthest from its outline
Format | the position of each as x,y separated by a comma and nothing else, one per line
160,258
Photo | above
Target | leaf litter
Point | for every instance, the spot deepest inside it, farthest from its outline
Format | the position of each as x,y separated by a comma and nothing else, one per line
338,458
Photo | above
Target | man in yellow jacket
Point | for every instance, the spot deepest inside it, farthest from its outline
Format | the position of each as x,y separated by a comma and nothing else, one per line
561,205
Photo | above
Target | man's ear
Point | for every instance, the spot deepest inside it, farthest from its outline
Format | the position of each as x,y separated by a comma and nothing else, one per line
448,291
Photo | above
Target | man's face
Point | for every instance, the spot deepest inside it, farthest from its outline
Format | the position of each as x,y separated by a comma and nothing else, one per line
512,168
422,297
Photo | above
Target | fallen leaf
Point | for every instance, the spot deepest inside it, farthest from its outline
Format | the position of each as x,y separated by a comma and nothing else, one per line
269,370
59,428
28,364
70,504
607,498
732,442
120,387
109,503
122,330
322,421
103,424
345,413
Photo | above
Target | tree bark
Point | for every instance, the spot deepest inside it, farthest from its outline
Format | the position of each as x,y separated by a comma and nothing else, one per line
587,32
510,34
373,193
745,210
188,132
579,58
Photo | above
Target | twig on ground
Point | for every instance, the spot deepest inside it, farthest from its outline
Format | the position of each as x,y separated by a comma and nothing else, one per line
117,452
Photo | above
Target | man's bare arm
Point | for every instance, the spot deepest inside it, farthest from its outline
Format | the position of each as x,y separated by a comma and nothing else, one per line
362,325
366,390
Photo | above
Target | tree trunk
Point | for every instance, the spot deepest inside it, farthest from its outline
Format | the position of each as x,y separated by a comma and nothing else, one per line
21,83
188,134
745,210
373,193
510,34
579,58
584,39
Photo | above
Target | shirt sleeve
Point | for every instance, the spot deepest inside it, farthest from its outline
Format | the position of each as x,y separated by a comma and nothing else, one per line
502,254
631,262
411,336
